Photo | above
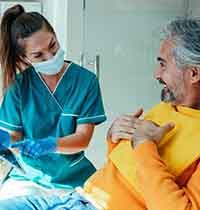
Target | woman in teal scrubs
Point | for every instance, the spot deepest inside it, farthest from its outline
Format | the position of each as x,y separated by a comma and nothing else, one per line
54,105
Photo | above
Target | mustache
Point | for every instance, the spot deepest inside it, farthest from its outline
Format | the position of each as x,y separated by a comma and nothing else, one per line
161,82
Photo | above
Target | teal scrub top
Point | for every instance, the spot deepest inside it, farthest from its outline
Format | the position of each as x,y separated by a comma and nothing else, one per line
30,107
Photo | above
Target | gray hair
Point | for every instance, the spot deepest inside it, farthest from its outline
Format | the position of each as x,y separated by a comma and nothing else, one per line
185,34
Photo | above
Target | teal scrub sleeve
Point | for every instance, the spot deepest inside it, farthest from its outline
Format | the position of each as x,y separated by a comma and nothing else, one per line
4,138
10,112
92,110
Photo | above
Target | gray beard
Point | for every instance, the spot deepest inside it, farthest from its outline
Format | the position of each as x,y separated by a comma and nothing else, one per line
167,95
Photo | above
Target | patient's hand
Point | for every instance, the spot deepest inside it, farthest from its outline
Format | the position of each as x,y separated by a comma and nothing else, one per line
146,130
123,127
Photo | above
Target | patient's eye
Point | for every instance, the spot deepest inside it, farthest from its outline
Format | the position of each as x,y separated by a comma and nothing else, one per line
162,64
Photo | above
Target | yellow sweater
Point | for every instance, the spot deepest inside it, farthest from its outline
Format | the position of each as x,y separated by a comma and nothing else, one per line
166,177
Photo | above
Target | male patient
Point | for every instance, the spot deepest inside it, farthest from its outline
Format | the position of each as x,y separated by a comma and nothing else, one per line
157,167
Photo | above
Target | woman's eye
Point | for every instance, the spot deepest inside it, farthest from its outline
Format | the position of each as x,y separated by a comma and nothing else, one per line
53,45
38,55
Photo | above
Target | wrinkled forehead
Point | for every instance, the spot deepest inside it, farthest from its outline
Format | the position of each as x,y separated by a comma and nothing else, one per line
166,49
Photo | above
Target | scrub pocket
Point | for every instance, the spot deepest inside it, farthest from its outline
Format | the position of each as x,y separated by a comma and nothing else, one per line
67,123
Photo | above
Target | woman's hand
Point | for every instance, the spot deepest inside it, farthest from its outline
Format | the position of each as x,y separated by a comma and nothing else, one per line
37,147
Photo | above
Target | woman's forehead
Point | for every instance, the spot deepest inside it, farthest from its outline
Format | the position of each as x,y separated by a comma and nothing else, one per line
38,41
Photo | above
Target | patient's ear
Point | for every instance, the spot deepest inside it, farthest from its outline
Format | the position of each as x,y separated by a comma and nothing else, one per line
195,74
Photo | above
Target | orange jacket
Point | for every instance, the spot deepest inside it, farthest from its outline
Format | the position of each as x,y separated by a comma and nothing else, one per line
159,188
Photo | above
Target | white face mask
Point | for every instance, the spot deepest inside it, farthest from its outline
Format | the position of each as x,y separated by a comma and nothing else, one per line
51,66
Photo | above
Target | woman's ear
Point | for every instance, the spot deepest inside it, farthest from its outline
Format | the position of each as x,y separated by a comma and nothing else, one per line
23,63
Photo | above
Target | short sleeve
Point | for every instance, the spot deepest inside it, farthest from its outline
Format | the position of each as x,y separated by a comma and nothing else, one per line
10,114
92,110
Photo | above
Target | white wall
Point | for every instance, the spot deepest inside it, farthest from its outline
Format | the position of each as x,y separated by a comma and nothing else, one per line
56,11
28,5
194,9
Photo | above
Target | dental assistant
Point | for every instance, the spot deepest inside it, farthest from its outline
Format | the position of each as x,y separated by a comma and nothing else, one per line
52,104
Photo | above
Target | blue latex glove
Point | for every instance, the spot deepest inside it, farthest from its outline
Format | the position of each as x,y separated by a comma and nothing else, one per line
37,147
4,138
72,201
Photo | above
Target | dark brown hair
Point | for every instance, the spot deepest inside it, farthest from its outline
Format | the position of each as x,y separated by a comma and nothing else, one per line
16,25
